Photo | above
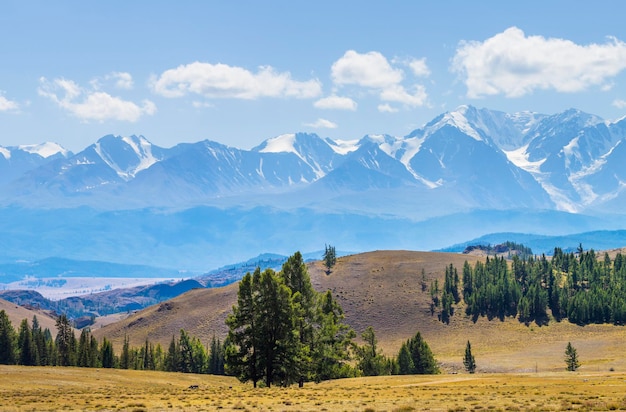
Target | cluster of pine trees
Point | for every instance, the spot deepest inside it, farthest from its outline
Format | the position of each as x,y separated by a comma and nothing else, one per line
34,346
282,331
578,286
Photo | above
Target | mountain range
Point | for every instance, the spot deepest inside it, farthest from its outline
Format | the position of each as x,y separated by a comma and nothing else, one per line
466,173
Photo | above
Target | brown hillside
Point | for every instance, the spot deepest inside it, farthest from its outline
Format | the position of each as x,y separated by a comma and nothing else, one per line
379,289
201,312
18,313
383,289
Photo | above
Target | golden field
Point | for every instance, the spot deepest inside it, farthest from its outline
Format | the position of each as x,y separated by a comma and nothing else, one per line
76,389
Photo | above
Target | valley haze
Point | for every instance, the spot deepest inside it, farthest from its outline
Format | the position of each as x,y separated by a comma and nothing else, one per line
197,206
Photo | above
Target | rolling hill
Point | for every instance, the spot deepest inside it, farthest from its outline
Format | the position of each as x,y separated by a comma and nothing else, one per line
383,289
17,313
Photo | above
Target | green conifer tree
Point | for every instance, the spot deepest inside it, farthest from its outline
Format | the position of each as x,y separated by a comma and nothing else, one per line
468,360
571,358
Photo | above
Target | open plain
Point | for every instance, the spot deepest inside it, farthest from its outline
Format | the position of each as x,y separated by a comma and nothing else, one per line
75,389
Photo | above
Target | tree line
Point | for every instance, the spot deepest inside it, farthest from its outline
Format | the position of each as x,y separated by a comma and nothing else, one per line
281,331
580,287
31,345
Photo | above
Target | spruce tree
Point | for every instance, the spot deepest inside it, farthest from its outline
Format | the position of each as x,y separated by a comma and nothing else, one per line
65,342
468,360
7,340
26,346
107,357
330,257
416,358
571,358
243,335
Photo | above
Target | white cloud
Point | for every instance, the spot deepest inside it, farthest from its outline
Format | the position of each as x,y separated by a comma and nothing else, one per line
123,80
372,70
619,103
7,105
336,102
221,80
201,105
514,64
322,124
92,104
397,93
369,70
386,108
419,67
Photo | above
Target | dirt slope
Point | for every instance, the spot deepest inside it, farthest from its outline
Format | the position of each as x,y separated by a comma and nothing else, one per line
18,313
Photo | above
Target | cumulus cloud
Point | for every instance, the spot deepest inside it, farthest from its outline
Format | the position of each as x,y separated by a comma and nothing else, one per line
397,93
92,104
419,67
514,64
322,124
336,102
123,80
369,70
7,105
372,70
619,103
386,108
222,80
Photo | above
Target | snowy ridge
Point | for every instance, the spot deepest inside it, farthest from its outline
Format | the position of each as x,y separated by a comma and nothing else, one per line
45,150
143,151
281,144
570,161
5,152
343,147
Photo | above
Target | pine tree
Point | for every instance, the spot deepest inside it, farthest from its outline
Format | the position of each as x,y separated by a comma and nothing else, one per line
7,340
571,358
125,357
330,257
416,358
371,362
172,357
26,346
65,342
468,360
216,357
107,357
242,351
39,343
332,341
296,277
278,341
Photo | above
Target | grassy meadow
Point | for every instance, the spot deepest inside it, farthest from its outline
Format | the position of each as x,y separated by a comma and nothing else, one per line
75,389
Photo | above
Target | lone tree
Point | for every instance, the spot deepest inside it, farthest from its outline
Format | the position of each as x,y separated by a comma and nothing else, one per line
571,358
468,360
330,257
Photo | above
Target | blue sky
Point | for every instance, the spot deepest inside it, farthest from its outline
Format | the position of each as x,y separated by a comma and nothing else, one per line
239,72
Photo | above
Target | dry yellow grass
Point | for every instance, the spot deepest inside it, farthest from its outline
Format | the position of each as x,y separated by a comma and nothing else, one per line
74,389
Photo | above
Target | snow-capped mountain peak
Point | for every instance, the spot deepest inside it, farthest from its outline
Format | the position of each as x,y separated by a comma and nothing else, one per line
455,119
45,150
280,144
127,156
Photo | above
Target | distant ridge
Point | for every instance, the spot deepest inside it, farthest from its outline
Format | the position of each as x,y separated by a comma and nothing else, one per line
597,240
